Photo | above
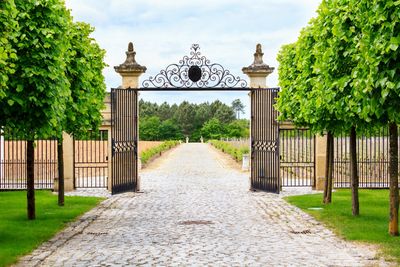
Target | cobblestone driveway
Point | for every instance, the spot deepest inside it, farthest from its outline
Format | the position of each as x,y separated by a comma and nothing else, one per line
194,211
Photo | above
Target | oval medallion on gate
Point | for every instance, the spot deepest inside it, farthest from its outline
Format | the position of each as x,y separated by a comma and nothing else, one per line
194,73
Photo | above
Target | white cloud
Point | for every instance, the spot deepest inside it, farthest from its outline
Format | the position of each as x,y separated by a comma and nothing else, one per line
163,31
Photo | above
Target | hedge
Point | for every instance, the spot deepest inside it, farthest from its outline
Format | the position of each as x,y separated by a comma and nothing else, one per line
148,154
226,147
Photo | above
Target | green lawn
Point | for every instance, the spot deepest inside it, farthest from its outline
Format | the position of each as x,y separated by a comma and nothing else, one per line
371,226
19,236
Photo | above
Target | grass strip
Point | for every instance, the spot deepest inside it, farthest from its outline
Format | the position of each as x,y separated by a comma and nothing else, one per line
19,236
370,227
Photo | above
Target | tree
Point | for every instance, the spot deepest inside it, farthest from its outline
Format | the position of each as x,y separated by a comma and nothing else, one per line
213,129
238,107
169,130
203,114
38,90
224,114
87,86
8,32
149,129
238,128
377,80
336,36
185,116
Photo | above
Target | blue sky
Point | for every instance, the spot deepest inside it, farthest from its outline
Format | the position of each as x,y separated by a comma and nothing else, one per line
163,31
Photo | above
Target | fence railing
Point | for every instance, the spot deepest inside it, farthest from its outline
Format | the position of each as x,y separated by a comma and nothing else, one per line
372,156
13,163
91,160
297,157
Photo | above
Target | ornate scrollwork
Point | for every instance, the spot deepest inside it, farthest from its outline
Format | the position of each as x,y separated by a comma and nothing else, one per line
194,71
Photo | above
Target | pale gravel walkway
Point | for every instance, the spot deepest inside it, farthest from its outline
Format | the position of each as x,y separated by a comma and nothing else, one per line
197,211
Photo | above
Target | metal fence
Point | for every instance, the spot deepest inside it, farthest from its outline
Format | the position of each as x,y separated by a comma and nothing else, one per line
372,156
297,157
91,160
13,163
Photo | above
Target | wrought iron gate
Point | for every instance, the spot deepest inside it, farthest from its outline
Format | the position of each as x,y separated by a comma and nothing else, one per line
124,133
264,141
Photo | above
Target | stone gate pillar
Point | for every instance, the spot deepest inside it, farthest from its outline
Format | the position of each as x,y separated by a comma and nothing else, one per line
320,161
130,72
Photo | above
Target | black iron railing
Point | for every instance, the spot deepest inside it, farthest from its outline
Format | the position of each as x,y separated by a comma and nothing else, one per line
91,160
13,162
297,157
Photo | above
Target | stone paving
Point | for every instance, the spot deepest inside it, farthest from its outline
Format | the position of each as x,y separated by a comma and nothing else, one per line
195,210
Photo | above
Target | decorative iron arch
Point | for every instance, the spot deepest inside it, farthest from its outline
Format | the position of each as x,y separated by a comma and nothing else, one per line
194,71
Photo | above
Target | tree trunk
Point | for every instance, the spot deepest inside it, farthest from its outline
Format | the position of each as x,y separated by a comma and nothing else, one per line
60,172
30,183
354,172
329,169
394,184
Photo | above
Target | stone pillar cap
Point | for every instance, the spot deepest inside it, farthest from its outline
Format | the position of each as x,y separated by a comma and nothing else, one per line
130,65
258,65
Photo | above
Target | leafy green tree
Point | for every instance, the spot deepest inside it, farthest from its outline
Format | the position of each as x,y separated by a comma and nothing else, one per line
149,128
84,72
225,114
213,129
8,32
203,114
238,128
147,109
238,107
38,90
185,116
169,130
87,86
377,80
164,111
336,53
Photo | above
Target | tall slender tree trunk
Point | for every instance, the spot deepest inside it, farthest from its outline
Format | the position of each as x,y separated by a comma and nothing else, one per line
394,184
60,159
355,206
329,169
30,184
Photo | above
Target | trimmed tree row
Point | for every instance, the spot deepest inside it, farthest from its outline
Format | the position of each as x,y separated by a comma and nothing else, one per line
52,81
342,76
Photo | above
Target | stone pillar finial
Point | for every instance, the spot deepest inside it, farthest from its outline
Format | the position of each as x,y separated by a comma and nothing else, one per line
258,71
130,70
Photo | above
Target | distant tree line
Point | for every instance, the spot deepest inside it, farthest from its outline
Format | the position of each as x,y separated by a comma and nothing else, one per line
208,120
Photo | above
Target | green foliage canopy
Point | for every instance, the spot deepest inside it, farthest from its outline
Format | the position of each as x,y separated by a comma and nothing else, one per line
38,89
84,72
8,33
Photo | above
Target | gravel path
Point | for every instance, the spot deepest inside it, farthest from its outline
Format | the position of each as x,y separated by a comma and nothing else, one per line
196,210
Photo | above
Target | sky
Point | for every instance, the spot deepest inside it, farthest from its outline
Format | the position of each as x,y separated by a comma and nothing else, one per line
163,31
